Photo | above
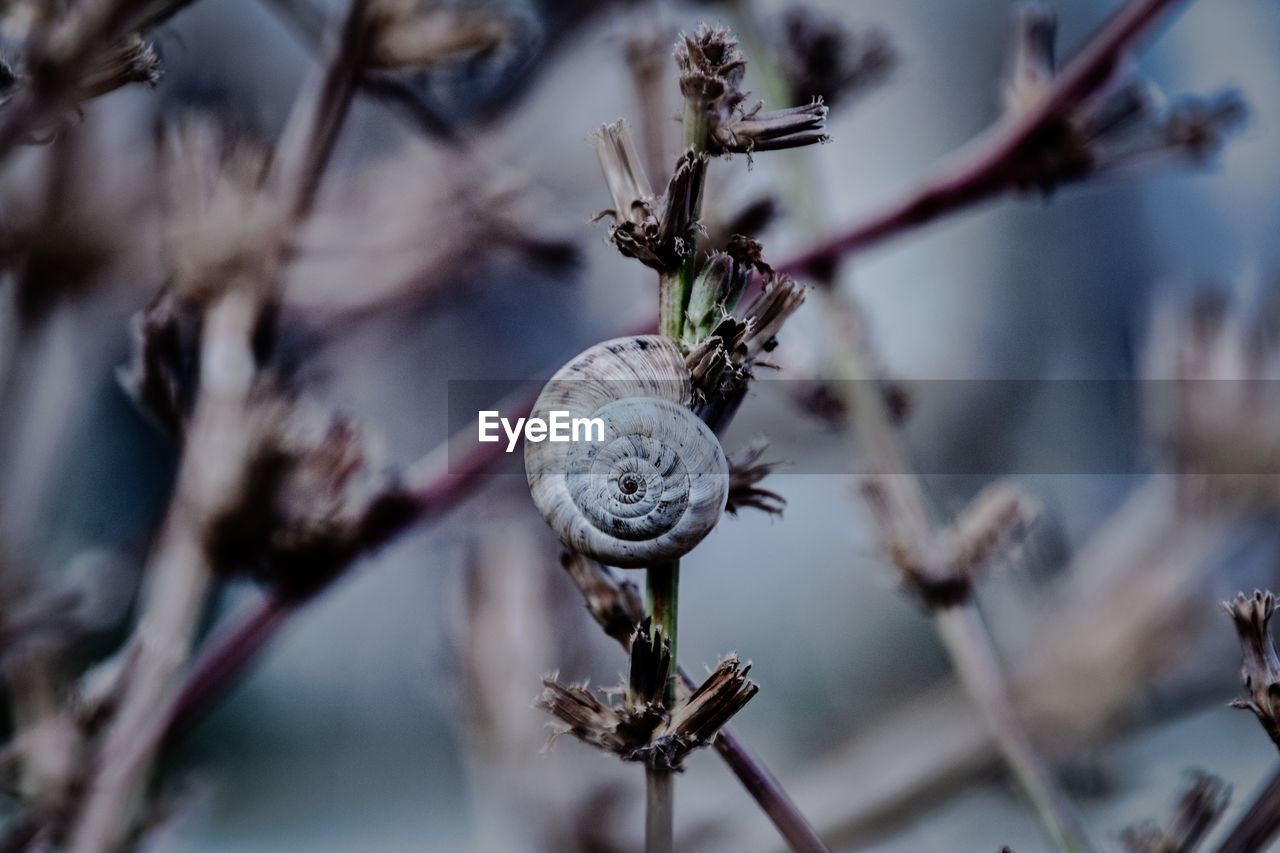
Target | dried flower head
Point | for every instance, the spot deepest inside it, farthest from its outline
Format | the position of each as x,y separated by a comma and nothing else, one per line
218,210
824,60
745,472
1211,401
633,199
654,231
716,290
939,566
721,363
310,478
133,61
1259,665
748,131
993,522
782,297
1125,125
615,603
711,69
130,59
640,728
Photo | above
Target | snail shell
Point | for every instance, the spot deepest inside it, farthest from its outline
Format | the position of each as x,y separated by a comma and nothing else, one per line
656,484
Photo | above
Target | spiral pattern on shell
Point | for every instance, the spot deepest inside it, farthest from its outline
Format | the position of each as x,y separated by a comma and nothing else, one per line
657,483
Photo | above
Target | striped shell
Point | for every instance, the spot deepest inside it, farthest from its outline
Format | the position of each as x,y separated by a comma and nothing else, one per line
656,484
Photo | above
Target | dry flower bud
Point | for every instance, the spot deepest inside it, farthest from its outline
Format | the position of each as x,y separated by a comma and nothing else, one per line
682,202
1212,401
1121,127
661,243
711,69
135,61
994,521
781,298
714,294
218,210
752,131
823,59
717,364
745,471
614,603
309,482
1259,665
640,728
623,172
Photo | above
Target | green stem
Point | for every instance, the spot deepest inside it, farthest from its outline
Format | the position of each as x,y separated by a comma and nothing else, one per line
663,580
663,592
674,288
664,607
659,826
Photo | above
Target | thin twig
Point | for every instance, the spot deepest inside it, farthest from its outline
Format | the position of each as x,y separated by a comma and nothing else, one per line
308,21
1259,823
218,446
974,657
763,787
977,171
908,531
178,576
59,61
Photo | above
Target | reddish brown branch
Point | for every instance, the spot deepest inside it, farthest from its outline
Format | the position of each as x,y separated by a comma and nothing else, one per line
978,171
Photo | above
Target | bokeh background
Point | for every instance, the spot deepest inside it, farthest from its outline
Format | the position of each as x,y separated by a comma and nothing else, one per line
394,713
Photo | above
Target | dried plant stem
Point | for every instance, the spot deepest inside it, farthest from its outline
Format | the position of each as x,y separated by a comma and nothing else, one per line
958,623
763,787
1260,822
659,817
974,657
663,581
663,588
664,606
178,576
218,447
978,171
59,59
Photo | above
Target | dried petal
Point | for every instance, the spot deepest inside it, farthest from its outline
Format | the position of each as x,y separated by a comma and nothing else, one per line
745,471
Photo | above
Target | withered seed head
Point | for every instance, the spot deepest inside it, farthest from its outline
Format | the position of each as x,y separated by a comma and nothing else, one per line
821,58
640,728
1259,665
745,471
711,67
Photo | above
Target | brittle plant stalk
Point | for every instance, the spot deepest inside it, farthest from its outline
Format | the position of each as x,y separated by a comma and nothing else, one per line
959,624
663,580
218,448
